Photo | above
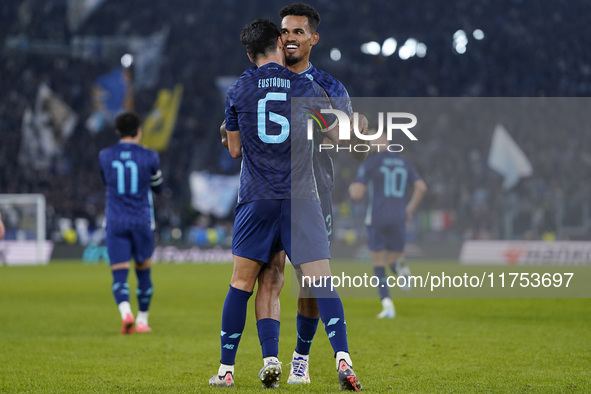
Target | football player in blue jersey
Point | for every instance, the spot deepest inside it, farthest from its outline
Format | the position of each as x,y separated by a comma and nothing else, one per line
277,198
130,173
388,176
299,31
299,24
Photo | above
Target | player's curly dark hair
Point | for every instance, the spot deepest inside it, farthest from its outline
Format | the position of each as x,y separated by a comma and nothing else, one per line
259,37
302,9
127,124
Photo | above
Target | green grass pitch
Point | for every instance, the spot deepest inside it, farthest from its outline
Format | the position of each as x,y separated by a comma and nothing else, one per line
59,333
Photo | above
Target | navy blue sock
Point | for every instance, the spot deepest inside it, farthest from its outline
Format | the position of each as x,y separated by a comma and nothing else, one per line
332,315
269,337
383,289
120,287
306,327
144,289
233,321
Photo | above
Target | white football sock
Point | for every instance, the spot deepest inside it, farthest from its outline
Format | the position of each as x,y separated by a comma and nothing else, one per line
387,303
142,317
224,369
124,309
344,356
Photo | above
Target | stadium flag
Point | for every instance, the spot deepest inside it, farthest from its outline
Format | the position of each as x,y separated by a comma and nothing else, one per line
213,194
147,55
30,154
111,94
45,129
159,123
62,119
79,11
506,158
436,220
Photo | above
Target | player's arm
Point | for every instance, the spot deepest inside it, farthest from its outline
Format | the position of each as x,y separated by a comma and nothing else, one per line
224,134
419,189
356,190
2,230
156,181
234,143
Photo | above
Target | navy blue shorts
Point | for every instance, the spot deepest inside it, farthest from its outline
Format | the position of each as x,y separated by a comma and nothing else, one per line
257,230
391,237
124,242
309,239
265,227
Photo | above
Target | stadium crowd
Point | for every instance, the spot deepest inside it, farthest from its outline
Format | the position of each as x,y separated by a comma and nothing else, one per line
519,56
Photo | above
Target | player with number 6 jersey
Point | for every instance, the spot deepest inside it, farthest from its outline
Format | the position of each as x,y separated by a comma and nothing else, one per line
259,105
278,207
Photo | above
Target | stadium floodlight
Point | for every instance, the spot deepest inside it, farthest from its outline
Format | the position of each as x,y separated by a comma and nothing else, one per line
478,34
404,53
460,40
126,60
421,49
460,36
389,46
371,48
409,49
335,54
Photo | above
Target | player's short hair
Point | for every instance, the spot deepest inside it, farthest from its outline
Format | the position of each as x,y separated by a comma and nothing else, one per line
127,124
302,9
259,37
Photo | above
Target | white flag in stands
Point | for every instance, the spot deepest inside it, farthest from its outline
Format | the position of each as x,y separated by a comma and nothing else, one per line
506,158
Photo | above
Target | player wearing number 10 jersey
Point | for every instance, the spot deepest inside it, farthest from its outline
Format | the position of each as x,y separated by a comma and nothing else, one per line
130,173
388,176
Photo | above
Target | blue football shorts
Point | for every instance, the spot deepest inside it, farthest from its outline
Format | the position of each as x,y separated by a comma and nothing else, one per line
257,234
125,242
265,227
386,237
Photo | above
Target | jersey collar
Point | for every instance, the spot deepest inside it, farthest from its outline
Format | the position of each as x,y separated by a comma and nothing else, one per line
308,69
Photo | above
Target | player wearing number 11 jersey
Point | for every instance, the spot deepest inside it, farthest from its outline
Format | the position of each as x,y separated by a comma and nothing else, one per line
130,173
